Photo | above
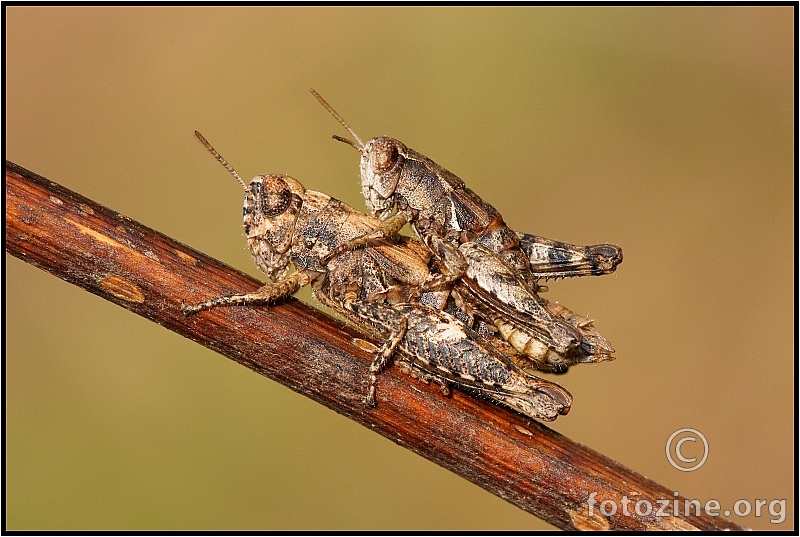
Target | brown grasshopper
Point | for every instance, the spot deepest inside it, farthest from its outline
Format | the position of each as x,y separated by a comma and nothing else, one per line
500,267
374,287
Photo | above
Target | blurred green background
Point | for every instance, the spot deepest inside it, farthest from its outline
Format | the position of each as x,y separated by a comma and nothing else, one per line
667,130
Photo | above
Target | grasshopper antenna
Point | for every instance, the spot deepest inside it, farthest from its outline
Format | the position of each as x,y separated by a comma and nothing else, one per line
358,144
220,159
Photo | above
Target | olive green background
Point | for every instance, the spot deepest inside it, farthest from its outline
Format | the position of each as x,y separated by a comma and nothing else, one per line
668,131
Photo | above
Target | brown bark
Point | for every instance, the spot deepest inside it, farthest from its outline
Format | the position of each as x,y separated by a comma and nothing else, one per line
150,274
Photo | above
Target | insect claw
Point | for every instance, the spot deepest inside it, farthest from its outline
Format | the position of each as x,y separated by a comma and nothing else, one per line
327,259
188,311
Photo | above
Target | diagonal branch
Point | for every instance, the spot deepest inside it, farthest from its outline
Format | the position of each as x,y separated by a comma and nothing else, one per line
149,274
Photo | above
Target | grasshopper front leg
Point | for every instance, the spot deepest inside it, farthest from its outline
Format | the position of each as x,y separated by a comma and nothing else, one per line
451,262
268,293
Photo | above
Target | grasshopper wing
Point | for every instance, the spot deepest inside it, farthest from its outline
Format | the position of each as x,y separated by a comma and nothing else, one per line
499,287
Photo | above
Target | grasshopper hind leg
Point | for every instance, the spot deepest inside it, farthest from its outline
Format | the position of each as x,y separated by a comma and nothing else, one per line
387,320
382,360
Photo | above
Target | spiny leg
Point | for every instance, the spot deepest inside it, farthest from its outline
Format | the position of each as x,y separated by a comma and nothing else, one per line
382,359
386,319
268,293
387,228
556,259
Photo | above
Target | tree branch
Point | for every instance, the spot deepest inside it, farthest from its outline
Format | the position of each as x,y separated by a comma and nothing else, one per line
149,274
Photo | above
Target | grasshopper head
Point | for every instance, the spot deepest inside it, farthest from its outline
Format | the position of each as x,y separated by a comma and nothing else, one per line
271,206
381,164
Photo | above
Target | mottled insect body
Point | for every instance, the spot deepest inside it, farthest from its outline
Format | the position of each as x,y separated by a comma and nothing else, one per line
529,350
403,186
374,287
488,278
446,348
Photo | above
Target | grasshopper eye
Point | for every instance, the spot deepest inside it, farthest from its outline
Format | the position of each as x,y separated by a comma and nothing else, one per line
272,195
384,154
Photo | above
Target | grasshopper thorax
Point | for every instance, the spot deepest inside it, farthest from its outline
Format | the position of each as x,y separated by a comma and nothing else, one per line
271,206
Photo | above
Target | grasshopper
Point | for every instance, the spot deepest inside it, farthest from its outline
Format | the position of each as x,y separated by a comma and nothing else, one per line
374,287
403,186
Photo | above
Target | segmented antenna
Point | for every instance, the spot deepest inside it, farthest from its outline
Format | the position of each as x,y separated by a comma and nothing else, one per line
349,142
358,144
219,158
